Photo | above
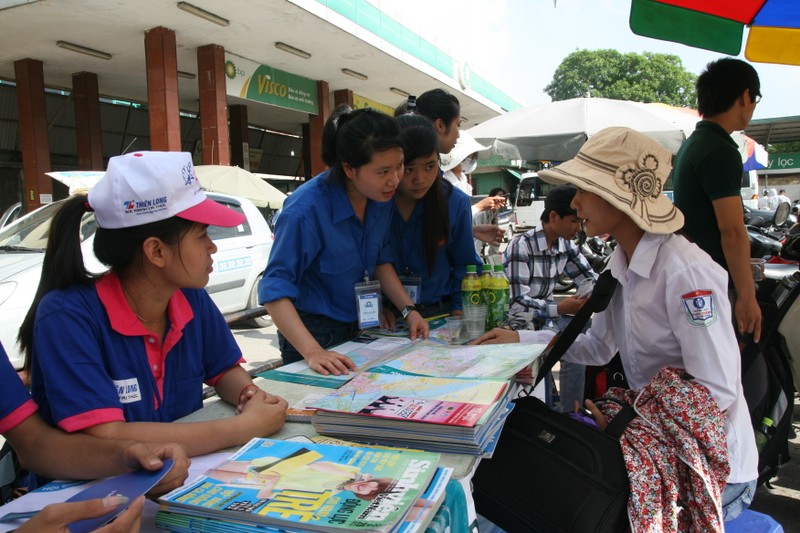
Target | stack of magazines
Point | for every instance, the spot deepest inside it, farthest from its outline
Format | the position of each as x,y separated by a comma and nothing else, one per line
447,415
271,485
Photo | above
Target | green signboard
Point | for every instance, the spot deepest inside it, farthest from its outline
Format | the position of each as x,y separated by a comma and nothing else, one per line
261,83
786,161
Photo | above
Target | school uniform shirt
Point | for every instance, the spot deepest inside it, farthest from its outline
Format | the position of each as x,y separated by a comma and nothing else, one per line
95,363
405,244
671,309
15,403
322,249
533,269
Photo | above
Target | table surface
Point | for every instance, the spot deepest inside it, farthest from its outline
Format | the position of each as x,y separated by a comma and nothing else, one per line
463,465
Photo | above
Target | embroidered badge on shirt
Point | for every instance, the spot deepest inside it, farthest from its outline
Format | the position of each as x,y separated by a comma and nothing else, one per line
128,390
700,309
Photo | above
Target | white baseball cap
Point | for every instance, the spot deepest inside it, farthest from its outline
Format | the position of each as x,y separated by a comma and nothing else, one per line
144,187
466,145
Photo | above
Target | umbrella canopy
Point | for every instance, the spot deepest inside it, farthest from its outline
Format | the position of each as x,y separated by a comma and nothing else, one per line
718,25
234,180
78,181
556,131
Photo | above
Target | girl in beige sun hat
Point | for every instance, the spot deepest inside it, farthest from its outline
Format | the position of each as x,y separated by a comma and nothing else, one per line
670,308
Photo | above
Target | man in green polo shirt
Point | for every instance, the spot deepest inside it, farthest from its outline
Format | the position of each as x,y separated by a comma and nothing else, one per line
707,176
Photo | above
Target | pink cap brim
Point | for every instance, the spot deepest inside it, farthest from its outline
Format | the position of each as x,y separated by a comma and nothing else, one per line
210,212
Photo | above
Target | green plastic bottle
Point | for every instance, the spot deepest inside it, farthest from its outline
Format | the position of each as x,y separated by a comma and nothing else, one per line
502,295
487,292
472,303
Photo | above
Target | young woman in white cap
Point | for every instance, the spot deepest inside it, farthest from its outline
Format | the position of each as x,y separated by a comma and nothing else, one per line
120,354
670,309
320,282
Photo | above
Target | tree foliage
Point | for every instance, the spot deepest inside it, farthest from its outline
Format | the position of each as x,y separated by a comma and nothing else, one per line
645,77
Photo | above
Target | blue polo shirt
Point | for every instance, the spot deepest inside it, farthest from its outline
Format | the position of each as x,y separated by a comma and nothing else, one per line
15,403
322,248
405,244
95,363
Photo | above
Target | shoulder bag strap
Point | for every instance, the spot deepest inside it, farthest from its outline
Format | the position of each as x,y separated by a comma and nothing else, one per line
601,295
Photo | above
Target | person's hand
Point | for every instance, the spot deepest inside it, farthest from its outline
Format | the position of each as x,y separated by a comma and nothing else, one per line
491,202
249,391
571,305
150,456
748,316
598,415
262,415
56,517
488,233
417,326
497,336
326,363
389,320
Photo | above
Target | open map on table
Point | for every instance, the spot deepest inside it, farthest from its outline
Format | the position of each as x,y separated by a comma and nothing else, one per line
396,355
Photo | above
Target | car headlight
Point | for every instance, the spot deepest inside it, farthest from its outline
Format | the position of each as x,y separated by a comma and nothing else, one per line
6,290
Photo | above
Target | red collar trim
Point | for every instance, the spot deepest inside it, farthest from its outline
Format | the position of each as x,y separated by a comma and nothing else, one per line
121,316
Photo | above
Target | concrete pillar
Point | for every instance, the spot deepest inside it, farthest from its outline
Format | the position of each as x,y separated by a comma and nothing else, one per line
32,112
240,137
213,105
86,99
343,96
315,125
162,89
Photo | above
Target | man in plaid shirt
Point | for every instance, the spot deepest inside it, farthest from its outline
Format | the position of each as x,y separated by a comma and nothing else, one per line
534,261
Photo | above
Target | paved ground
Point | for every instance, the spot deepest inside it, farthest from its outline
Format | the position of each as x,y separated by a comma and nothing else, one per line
782,501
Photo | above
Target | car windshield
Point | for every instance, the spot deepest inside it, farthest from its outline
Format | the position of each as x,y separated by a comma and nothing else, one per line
31,232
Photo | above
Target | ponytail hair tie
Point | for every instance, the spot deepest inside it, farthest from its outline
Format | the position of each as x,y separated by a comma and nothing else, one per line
87,207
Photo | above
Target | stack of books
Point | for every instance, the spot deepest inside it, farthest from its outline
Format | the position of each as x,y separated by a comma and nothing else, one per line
271,485
447,415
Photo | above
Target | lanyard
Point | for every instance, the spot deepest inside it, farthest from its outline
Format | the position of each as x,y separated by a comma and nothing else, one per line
362,248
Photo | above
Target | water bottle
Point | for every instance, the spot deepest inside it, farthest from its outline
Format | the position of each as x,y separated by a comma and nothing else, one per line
487,293
763,434
472,303
502,296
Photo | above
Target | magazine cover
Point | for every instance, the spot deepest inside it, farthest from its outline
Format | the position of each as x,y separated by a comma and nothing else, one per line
317,487
365,352
487,361
426,399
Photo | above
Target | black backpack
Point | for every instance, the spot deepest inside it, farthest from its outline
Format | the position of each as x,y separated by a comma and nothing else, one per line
767,377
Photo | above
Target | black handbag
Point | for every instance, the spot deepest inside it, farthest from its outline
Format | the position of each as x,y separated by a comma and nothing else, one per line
549,472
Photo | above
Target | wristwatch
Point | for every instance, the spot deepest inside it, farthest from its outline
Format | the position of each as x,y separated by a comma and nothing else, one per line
407,309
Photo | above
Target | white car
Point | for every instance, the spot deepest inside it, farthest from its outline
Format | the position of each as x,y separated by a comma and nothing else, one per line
241,258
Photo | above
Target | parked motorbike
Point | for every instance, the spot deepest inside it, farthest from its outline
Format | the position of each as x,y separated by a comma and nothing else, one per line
596,250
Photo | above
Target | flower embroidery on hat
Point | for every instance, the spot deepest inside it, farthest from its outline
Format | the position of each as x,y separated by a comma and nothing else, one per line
640,179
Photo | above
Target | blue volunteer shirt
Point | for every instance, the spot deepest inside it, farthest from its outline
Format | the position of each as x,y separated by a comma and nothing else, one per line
15,403
322,248
405,244
95,363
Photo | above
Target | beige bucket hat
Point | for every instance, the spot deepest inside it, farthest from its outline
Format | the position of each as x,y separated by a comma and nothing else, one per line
628,169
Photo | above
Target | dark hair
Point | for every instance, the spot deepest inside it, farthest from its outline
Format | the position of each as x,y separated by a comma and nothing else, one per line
420,140
722,83
496,191
558,201
408,106
353,136
438,104
62,267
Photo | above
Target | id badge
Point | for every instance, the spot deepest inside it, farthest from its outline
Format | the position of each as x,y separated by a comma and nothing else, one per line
368,303
413,286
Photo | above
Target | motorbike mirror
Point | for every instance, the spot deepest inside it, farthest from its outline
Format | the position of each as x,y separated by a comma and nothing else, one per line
781,214
581,237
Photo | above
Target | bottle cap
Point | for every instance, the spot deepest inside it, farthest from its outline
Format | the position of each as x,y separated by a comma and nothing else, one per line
498,268
766,421
486,268
472,268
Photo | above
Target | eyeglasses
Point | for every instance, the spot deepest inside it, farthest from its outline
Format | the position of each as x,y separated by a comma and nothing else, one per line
756,99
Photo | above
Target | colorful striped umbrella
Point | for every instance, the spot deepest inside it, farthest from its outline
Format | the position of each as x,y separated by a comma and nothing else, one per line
718,25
